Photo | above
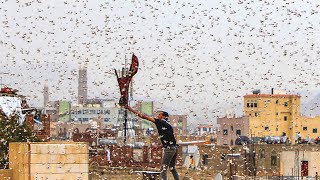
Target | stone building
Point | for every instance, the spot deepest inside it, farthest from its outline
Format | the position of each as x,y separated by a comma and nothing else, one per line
231,128
278,114
261,160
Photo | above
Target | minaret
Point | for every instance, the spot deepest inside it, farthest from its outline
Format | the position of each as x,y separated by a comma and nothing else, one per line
45,94
82,85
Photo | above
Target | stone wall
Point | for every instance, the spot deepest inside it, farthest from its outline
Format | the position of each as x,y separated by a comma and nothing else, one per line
49,160
6,174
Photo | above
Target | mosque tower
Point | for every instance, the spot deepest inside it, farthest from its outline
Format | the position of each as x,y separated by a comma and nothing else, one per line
45,94
82,85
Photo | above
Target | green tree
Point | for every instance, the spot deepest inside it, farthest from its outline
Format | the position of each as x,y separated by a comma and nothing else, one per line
12,131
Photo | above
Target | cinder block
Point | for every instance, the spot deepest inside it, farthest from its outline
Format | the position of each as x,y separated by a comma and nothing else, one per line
46,168
79,148
71,176
39,149
57,158
49,160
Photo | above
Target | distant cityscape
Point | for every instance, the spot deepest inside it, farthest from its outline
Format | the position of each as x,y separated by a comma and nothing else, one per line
269,135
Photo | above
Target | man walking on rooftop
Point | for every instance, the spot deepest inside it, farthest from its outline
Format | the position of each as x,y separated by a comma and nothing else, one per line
168,141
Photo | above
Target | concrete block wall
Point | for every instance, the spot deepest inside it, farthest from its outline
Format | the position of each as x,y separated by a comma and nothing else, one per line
6,174
48,160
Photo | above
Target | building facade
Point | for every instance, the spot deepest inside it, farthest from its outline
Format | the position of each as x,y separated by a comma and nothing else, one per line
278,114
230,128
204,129
179,123
105,112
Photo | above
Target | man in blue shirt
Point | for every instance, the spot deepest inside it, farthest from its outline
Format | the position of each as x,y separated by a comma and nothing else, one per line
168,141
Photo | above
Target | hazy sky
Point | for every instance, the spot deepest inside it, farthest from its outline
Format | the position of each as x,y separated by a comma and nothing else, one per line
196,57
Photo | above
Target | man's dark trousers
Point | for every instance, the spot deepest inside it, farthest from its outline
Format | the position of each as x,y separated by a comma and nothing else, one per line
169,160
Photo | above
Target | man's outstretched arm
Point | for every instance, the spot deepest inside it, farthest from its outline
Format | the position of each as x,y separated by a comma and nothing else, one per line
143,116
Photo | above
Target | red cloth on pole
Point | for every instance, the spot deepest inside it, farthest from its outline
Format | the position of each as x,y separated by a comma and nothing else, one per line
124,81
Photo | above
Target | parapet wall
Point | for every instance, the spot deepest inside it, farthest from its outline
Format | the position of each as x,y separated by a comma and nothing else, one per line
6,174
48,160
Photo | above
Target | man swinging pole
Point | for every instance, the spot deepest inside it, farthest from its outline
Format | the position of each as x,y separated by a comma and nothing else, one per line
168,141
165,130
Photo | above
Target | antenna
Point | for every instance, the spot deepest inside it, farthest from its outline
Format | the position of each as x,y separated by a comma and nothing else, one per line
125,59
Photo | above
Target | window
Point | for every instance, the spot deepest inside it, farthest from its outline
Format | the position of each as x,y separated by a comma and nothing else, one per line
273,158
85,119
248,104
107,111
238,132
256,114
106,119
262,154
314,130
92,111
204,129
205,159
255,104
305,128
304,168
285,118
266,128
277,101
285,104
284,134
225,132
222,156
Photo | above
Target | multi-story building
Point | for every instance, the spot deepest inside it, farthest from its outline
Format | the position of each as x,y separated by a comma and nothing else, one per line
231,128
278,114
105,112
204,129
179,122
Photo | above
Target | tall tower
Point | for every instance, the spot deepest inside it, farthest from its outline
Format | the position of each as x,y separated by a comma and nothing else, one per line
45,94
82,85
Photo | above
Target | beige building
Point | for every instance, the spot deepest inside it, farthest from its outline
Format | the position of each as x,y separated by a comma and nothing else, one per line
260,160
299,162
278,114
49,160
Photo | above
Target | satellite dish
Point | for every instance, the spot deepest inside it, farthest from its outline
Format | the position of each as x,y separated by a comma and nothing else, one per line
218,177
